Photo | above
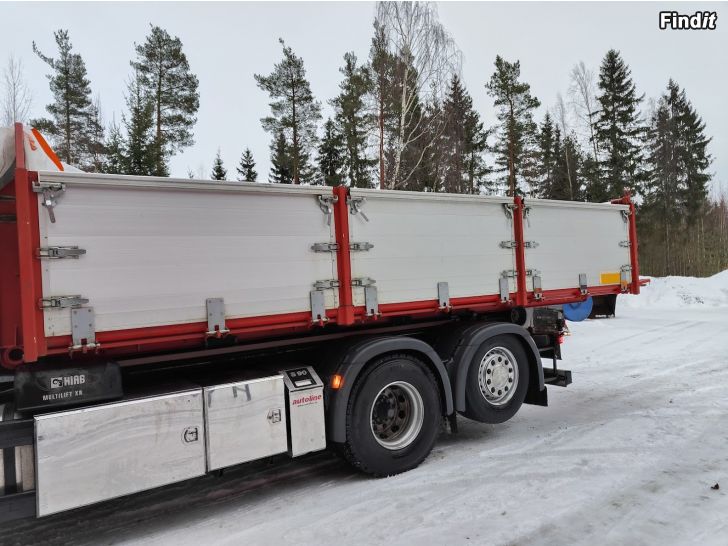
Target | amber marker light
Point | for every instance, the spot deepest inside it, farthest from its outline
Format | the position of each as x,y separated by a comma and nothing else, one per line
336,381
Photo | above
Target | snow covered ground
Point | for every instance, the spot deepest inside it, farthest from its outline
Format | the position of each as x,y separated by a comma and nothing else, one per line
625,455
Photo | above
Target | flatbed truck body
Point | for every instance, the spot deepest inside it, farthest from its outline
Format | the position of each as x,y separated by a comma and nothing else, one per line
155,329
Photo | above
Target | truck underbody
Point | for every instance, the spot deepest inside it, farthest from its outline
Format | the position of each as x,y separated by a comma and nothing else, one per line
154,330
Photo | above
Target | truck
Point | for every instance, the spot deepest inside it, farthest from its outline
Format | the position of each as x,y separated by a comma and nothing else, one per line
154,330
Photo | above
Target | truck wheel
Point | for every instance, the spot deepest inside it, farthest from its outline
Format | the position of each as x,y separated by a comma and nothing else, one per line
393,416
497,380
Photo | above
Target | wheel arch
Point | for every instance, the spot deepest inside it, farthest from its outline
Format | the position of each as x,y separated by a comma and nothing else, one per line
355,360
471,338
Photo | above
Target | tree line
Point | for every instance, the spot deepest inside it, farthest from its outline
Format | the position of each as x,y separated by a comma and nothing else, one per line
404,120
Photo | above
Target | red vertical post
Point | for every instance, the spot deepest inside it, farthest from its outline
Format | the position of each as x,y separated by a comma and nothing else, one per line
633,247
633,243
521,297
25,200
343,255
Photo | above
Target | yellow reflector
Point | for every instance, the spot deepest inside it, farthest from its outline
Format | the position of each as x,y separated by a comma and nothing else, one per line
610,278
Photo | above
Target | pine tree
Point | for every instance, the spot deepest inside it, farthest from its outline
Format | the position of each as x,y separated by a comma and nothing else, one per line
618,128
383,65
246,169
354,121
115,151
218,170
139,157
294,110
166,78
567,167
516,131
676,192
280,158
331,155
97,150
549,148
464,142
71,109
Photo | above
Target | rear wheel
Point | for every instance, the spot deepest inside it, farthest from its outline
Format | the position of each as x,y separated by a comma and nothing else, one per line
393,416
497,380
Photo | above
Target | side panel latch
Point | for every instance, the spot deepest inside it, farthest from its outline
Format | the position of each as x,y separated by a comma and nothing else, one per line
60,252
62,302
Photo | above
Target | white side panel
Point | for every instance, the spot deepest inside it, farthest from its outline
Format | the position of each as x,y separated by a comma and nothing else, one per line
422,239
155,254
575,238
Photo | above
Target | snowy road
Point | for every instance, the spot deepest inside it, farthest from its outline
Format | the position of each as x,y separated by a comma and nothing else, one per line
625,455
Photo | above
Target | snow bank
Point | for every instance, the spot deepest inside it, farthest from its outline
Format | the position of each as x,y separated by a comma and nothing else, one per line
678,292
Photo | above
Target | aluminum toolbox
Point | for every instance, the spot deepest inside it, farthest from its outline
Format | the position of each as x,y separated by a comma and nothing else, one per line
102,452
246,420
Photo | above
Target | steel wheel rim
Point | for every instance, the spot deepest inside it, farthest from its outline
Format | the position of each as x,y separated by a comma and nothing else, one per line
397,415
498,376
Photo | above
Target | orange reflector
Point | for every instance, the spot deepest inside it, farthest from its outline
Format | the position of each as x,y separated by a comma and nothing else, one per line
336,381
561,339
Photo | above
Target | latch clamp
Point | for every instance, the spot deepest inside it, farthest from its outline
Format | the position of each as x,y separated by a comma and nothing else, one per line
60,252
326,203
50,192
355,205
62,302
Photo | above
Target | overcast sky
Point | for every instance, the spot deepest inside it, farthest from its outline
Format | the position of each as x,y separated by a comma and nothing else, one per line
226,43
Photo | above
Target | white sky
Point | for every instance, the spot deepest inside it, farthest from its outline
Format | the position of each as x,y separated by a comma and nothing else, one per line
226,43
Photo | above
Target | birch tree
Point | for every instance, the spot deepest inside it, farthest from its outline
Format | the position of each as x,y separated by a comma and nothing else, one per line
583,95
17,96
426,60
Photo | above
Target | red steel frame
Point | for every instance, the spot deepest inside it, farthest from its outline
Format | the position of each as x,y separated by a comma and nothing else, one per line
27,317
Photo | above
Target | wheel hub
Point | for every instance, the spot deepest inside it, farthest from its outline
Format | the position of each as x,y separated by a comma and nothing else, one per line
397,415
498,376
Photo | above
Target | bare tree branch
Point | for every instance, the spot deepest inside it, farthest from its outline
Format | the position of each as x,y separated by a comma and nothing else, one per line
17,97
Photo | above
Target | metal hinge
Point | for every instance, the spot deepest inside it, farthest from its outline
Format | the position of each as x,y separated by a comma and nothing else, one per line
215,308
443,295
318,307
625,244
83,329
355,205
583,286
504,289
537,290
514,244
625,215
60,252
50,192
624,276
62,302
326,203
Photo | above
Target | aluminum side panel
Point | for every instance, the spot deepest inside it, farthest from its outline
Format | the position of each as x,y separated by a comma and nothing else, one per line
103,452
245,421
575,238
154,255
420,241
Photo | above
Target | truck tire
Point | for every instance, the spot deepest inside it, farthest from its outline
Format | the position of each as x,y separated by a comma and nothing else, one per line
497,380
393,416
